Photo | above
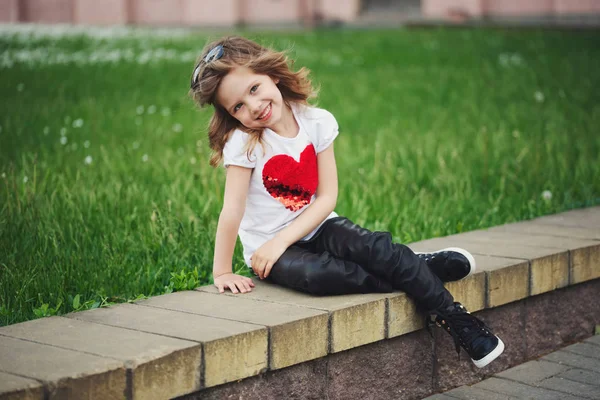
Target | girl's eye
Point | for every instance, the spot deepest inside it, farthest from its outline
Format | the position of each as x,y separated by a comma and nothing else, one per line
253,88
237,107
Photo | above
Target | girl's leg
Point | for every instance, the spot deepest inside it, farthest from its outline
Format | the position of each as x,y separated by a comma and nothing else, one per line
376,253
323,274
399,265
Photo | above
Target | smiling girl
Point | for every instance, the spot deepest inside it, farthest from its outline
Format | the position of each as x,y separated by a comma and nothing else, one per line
281,190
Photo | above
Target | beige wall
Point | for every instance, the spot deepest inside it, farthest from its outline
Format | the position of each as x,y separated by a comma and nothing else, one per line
230,12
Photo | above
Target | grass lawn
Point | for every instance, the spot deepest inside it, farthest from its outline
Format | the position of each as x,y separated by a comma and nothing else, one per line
106,194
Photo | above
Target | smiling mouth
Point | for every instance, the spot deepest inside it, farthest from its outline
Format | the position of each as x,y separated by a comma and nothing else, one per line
266,112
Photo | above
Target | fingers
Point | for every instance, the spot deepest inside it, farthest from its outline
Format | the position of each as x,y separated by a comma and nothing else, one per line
221,289
268,269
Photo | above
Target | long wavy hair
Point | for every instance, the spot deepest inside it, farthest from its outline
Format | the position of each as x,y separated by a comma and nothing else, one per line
241,52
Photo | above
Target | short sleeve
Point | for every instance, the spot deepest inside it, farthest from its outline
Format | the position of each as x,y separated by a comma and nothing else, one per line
235,151
326,129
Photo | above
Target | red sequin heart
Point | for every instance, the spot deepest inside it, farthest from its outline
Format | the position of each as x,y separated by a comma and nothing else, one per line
291,182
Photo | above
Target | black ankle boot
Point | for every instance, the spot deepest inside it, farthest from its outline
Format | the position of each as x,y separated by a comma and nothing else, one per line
470,333
451,264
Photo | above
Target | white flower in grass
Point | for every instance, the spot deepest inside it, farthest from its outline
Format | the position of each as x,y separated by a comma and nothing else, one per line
86,144
135,145
547,195
3,175
88,160
25,179
539,96
46,130
145,157
63,131
504,59
20,87
177,128
166,111
516,134
152,109
78,123
63,140
516,59
193,160
139,110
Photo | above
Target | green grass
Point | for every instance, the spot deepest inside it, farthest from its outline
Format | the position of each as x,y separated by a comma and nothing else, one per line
441,132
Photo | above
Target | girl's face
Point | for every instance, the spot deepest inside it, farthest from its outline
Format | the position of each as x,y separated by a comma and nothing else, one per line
254,100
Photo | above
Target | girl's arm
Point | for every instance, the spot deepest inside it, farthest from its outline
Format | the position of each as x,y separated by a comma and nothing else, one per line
234,202
326,198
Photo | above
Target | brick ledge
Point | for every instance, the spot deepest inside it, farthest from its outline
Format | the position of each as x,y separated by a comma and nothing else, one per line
180,343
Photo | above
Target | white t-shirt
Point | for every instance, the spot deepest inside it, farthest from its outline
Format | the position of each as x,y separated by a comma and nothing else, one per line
284,177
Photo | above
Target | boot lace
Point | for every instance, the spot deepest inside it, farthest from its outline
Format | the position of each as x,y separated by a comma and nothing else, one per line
462,326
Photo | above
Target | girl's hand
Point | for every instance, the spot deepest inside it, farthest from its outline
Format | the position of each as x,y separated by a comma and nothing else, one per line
234,283
266,256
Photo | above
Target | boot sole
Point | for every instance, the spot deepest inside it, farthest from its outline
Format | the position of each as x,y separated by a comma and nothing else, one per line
491,356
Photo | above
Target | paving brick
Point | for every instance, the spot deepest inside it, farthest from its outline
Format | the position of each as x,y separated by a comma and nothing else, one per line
521,390
584,349
571,387
297,334
403,316
594,340
507,279
13,387
469,291
549,267
67,373
585,217
232,350
574,360
536,228
533,372
472,393
582,375
161,366
585,254
440,396
355,319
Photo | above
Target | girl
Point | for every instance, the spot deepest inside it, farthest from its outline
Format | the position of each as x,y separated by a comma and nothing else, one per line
281,190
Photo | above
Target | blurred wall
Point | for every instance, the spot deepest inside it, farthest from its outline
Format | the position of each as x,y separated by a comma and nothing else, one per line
225,13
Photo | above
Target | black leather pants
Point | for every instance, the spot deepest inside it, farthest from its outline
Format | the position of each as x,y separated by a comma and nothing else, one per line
344,258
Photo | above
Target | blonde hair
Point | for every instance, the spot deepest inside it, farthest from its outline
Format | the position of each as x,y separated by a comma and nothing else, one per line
241,52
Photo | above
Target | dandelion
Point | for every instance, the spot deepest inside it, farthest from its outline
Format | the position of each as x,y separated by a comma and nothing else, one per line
20,87
139,110
63,131
46,131
539,96
177,128
4,175
145,157
152,109
88,160
193,160
135,145
25,179
63,140
547,195
86,144
166,111
78,123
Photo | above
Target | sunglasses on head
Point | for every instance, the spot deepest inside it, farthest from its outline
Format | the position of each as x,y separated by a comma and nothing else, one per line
214,54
